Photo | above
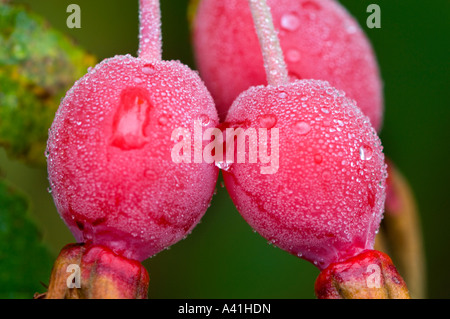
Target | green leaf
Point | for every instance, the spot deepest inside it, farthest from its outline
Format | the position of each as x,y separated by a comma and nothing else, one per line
24,261
37,66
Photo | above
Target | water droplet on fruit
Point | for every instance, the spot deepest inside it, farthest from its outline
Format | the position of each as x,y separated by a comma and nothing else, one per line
310,5
290,22
267,120
326,175
365,152
163,120
148,69
302,128
204,119
137,80
225,166
282,95
293,55
318,158
329,90
350,28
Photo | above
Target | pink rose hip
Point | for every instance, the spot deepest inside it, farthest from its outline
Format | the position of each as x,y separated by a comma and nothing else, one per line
109,156
323,200
326,200
111,171
319,38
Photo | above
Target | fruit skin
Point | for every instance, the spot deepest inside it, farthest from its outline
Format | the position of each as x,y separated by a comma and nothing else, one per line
325,202
369,275
115,185
325,43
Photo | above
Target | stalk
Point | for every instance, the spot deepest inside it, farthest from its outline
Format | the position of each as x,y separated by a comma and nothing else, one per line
150,38
274,63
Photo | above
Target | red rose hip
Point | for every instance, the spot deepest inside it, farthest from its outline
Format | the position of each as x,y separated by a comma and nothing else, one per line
319,38
109,156
111,171
324,199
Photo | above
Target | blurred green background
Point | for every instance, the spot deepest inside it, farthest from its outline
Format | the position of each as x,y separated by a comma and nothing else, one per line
223,258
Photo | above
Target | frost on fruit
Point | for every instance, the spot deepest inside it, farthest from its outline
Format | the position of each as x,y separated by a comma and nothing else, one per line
319,38
109,156
326,201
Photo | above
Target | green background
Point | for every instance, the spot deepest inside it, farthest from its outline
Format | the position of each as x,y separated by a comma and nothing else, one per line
223,258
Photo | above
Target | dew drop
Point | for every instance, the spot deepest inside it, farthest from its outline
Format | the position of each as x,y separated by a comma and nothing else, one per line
225,166
268,120
150,174
293,55
204,119
302,128
326,175
365,152
163,120
351,29
137,80
311,5
318,158
282,95
148,69
290,22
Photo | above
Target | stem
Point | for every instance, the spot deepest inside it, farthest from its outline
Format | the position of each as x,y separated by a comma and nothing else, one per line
274,63
369,275
150,39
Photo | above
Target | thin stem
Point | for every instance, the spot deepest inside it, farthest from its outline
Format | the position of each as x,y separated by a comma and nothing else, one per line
274,63
150,39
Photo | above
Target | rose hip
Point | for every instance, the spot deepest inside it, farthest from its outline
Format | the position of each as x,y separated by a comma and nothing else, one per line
319,38
325,201
109,156
109,150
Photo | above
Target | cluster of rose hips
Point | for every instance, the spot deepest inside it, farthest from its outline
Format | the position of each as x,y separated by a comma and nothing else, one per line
116,185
